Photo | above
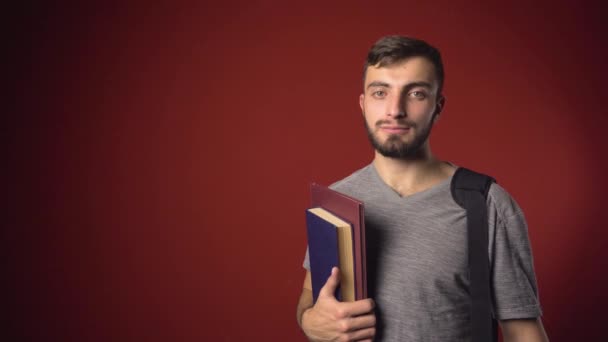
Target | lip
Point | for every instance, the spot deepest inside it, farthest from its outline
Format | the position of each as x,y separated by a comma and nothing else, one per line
395,129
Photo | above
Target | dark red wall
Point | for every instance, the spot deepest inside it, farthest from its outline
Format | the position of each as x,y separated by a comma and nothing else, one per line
159,155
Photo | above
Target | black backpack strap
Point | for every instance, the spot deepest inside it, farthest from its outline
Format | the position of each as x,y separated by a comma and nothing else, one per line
470,190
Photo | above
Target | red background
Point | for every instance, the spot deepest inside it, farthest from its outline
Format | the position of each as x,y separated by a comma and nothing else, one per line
159,155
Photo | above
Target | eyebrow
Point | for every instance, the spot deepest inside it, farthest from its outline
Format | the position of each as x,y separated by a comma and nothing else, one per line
408,86
378,84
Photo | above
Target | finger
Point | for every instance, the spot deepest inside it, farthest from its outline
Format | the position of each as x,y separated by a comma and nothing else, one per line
360,307
331,284
362,335
361,322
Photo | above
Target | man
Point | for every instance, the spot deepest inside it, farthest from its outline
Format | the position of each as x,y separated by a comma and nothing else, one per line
416,233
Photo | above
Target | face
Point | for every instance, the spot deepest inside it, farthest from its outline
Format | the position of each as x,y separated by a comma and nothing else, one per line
400,104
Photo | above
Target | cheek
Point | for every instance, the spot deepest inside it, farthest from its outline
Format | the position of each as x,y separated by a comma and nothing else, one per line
417,108
370,119
374,109
373,112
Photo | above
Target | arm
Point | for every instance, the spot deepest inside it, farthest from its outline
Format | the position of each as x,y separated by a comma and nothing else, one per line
331,320
523,330
514,281
305,301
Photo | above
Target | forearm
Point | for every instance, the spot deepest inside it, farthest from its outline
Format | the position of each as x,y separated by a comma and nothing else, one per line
523,330
304,303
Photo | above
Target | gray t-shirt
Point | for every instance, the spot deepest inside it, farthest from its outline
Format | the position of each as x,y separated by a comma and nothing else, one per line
417,259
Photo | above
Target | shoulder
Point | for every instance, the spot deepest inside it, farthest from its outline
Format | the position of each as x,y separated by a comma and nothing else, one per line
503,204
354,180
500,202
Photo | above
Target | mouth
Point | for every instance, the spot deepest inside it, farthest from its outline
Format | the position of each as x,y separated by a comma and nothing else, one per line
395,129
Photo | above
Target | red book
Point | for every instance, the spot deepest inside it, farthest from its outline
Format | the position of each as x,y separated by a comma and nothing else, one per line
351,210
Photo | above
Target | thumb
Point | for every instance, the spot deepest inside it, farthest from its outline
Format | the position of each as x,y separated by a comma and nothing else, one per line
329,289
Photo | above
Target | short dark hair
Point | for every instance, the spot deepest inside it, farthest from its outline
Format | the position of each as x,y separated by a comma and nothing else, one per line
394,49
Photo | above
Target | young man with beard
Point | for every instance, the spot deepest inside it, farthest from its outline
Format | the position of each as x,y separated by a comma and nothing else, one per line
416,233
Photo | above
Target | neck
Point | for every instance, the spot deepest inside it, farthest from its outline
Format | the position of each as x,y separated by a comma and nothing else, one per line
408,176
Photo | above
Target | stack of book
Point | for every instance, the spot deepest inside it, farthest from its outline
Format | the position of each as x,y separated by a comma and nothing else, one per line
336,238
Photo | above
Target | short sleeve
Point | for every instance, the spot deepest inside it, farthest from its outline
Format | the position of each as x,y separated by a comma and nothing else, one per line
306,263
513,277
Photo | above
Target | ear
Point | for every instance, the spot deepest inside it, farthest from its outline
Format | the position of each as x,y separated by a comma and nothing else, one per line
361,101
438,108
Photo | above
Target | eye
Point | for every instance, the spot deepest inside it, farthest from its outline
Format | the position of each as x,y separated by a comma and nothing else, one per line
417,94
379,93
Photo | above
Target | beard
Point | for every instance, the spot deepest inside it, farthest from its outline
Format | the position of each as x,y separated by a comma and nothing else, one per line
394,146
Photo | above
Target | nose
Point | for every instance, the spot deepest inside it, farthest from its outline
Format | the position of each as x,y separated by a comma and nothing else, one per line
396,107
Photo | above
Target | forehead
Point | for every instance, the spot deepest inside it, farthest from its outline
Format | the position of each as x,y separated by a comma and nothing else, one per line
414,69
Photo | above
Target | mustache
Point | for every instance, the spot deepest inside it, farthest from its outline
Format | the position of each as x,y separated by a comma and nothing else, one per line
400,122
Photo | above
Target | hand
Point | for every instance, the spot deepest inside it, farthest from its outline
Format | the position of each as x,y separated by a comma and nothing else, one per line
331,320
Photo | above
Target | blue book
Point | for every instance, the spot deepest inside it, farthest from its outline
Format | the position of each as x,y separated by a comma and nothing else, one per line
330,244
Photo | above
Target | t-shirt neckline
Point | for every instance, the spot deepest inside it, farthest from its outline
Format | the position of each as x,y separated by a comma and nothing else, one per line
426,192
